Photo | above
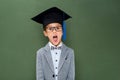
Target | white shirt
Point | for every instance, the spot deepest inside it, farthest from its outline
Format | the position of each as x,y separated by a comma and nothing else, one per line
56,58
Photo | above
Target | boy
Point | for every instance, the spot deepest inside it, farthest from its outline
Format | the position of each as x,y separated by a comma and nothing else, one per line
55,61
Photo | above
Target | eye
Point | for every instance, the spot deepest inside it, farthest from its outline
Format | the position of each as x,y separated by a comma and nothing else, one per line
57,27
50,28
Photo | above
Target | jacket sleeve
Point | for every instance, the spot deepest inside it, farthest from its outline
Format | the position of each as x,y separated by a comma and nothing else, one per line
71,74
39,68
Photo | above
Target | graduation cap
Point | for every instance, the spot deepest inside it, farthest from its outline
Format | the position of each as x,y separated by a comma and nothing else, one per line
52,15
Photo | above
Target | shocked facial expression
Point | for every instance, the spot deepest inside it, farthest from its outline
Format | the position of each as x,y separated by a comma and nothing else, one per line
54,33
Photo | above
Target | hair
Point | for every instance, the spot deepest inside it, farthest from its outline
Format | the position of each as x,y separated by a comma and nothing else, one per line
44,28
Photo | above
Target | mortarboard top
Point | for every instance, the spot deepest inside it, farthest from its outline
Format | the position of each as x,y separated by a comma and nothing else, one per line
51,15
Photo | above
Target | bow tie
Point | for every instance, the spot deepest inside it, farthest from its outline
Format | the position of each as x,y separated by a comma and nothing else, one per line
55,48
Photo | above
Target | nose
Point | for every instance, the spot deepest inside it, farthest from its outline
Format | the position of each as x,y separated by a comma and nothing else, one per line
54,30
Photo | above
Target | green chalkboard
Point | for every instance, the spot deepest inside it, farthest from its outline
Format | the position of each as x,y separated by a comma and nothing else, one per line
93,33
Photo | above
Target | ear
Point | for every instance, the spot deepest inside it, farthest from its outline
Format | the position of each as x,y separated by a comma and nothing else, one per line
45,33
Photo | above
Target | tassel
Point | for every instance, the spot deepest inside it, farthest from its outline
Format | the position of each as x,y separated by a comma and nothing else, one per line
64,31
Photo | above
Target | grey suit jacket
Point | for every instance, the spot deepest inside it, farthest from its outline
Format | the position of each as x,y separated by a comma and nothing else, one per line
44,64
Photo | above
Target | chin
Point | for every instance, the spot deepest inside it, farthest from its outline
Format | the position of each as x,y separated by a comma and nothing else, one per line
56,43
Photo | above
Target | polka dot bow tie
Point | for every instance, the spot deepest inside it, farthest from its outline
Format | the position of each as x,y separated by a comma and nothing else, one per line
55,48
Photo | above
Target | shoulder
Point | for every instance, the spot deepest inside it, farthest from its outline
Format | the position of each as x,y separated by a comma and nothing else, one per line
68,49
40,51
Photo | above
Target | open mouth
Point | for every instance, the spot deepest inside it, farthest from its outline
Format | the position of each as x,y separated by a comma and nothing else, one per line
55,38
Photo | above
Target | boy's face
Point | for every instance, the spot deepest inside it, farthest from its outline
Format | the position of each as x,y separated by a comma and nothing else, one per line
54,33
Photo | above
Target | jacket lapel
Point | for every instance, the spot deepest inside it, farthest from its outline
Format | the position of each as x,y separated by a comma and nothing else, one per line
62,57
49,57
